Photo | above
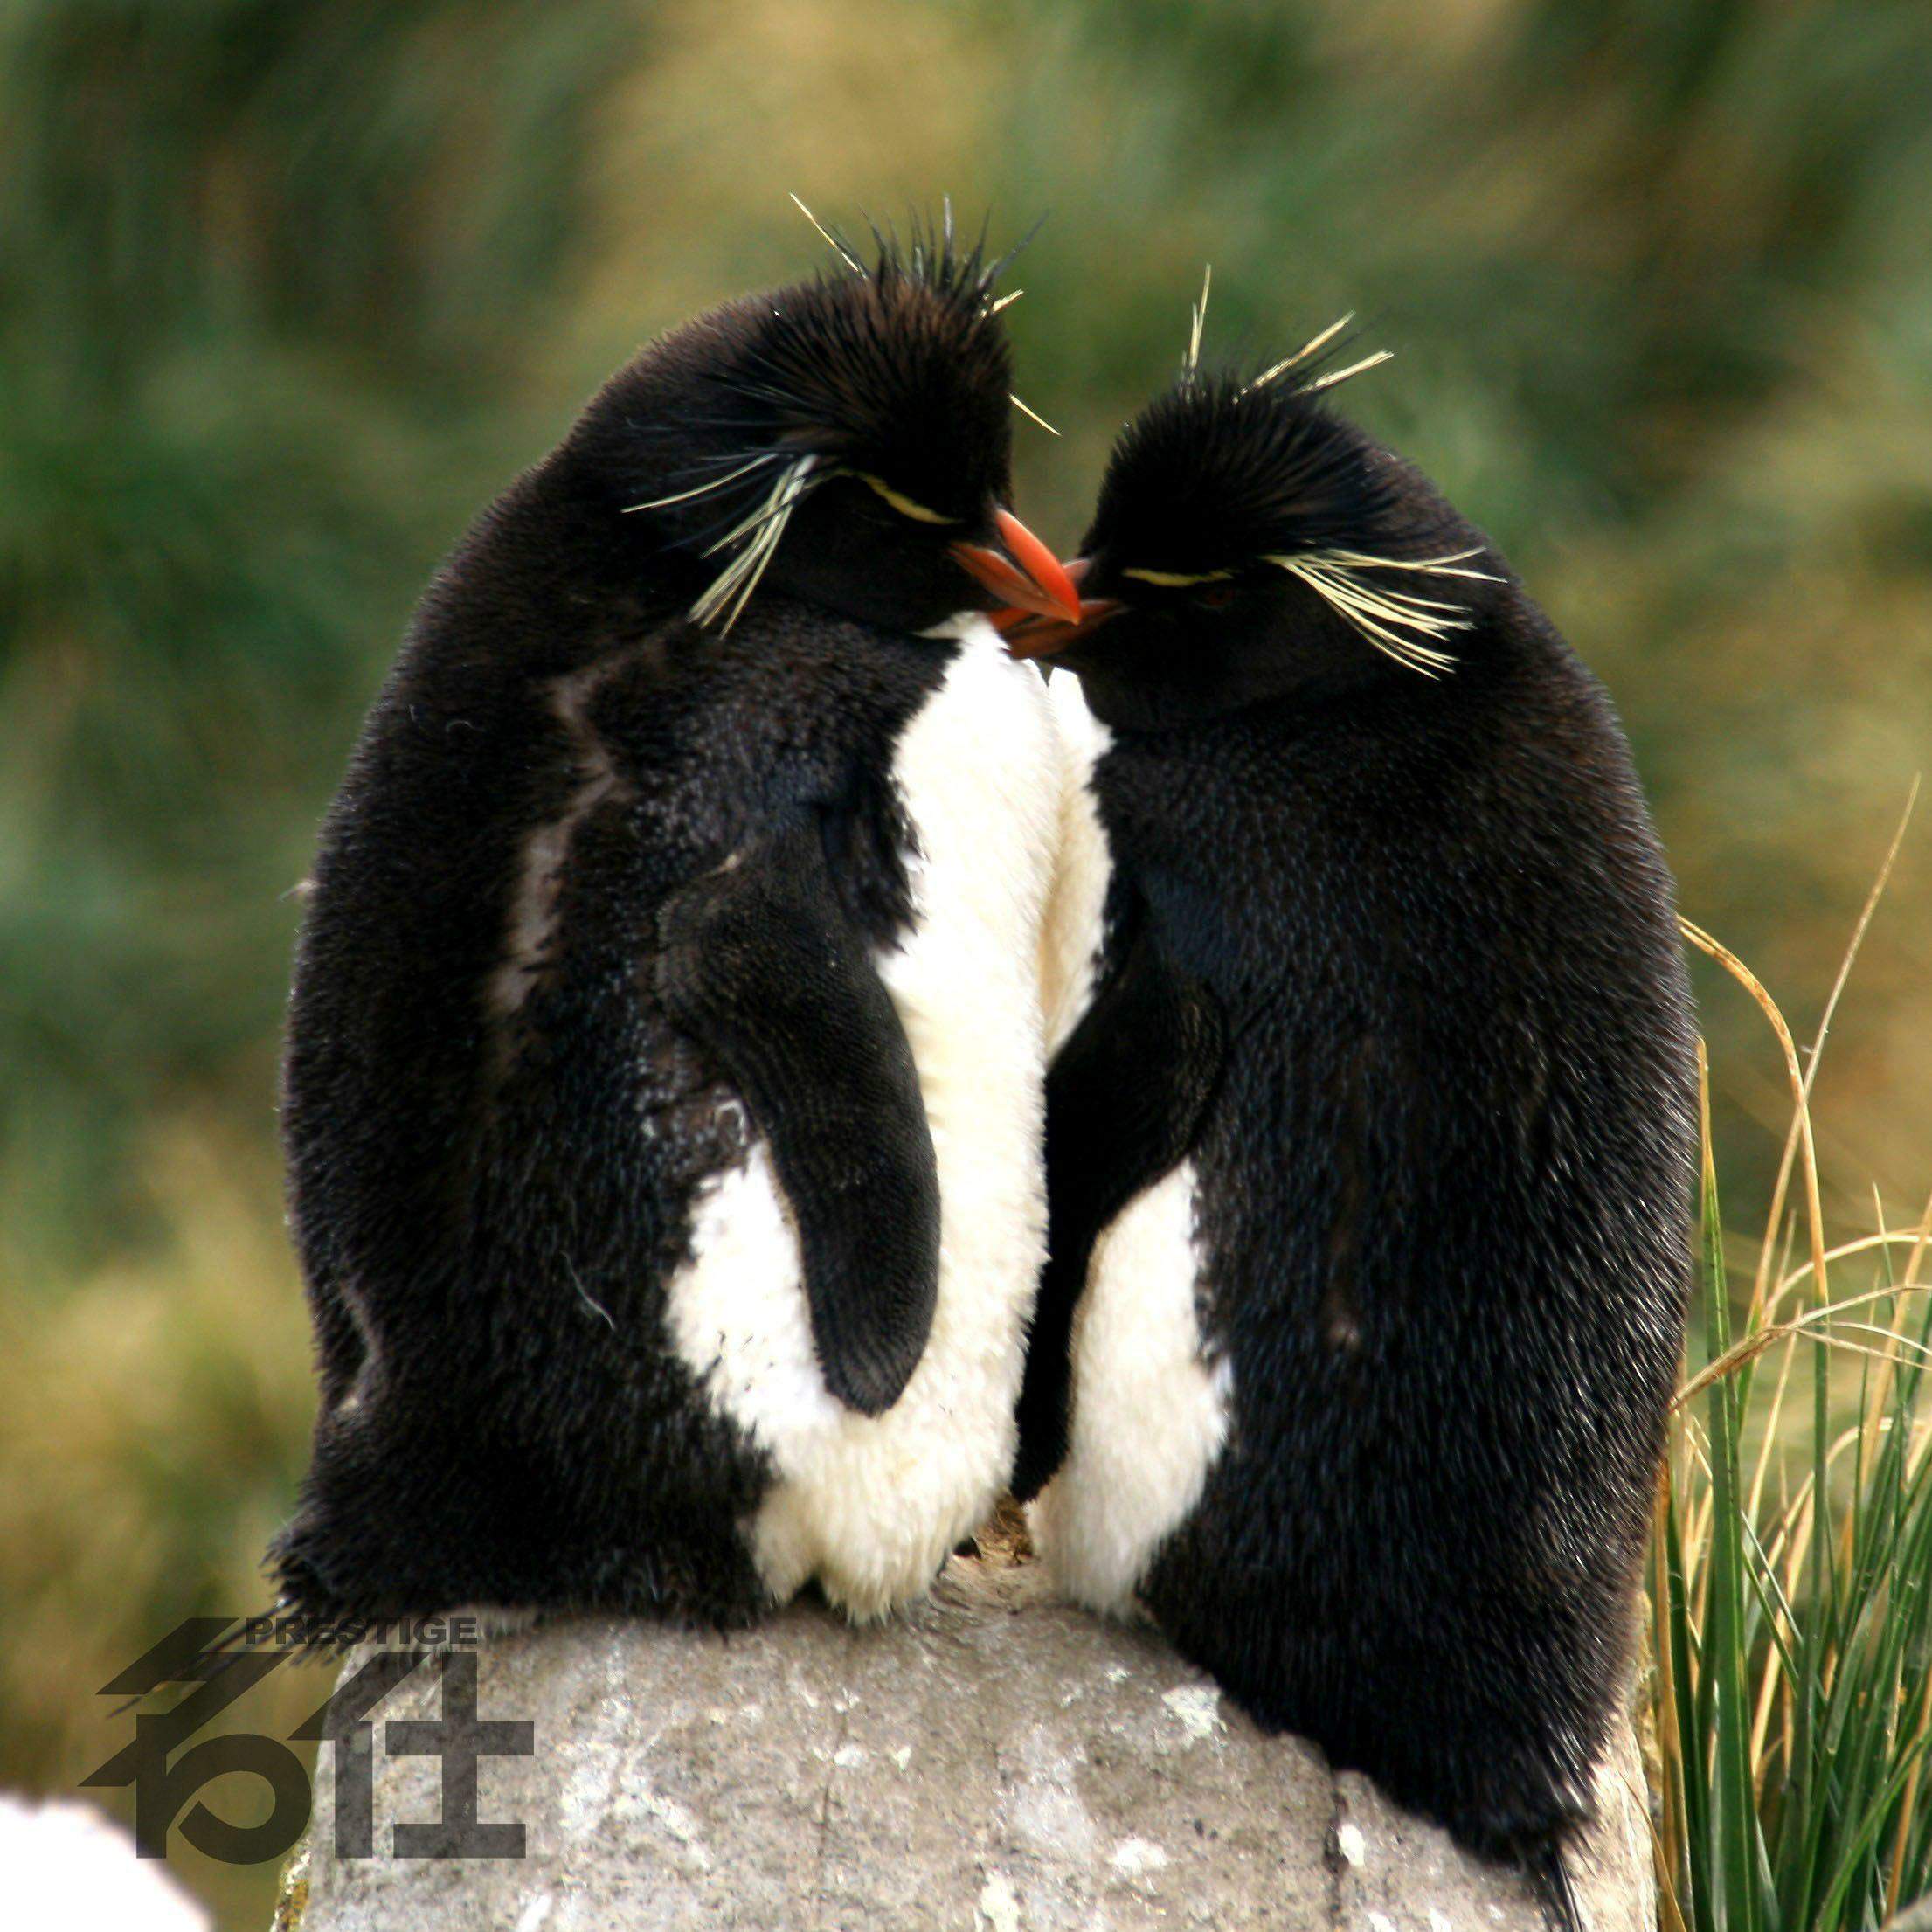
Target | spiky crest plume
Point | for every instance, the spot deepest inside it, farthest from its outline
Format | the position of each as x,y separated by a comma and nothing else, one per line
891,355
1259,471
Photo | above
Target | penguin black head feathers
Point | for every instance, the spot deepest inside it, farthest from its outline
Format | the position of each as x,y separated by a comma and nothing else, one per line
1248,542
845,440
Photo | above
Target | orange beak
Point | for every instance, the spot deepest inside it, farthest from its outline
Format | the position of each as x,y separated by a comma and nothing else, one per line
1029,578
1027,635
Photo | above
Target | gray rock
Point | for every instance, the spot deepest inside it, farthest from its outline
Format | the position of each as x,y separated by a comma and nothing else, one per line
993,1762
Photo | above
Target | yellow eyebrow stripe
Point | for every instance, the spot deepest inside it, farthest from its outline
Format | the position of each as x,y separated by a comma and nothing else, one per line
1176,580
904,505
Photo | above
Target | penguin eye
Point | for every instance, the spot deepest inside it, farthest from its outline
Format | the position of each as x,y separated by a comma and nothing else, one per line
903,504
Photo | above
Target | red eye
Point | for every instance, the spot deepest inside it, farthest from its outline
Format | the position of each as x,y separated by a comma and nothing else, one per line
1217,597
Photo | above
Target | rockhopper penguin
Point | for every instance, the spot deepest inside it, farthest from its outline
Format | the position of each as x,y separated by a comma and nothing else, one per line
1370,1144
662,1098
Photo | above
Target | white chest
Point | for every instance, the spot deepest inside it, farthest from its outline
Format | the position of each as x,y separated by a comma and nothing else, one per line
1150,1414
870,1505
1070,944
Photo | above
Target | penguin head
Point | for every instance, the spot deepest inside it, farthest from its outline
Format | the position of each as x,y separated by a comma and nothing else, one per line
845,440
1248,543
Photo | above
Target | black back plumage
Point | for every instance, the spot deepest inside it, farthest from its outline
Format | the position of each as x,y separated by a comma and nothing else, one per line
1444,1176
505,1081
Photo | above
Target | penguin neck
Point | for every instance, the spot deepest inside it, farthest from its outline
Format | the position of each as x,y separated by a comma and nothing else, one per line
962,627
1158,696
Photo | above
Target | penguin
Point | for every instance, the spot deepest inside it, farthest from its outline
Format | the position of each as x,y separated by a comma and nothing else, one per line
662,1091
1370,1119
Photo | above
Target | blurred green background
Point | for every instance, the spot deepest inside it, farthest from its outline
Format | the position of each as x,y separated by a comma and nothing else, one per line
288,289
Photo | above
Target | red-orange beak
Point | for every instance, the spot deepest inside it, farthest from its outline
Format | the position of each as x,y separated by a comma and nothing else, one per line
1029,578
1030,636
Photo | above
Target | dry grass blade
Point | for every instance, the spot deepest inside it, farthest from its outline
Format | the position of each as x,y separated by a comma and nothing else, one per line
1800,1091
1863,1245
1802,1117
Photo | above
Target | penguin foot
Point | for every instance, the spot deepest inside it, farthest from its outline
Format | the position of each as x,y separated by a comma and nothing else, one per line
1550,1873
1540,1852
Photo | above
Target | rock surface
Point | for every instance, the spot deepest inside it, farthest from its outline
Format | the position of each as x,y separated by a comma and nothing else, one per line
993,1762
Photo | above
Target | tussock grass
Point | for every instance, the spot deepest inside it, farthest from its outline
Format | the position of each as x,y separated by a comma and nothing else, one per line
1790,1583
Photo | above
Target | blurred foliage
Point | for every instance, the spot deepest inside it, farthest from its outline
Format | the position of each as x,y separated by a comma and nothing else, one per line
289,287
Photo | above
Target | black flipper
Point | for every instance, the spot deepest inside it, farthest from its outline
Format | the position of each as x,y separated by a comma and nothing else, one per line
759,965
1125,1099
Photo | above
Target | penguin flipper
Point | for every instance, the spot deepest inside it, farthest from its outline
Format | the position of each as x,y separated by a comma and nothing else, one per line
1124,1101
758,964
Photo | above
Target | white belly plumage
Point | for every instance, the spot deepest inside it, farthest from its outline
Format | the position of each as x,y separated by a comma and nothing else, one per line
1150,1413
870,1505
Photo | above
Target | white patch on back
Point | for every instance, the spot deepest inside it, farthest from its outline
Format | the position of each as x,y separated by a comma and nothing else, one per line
871,1505
1149,1414
1070,943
